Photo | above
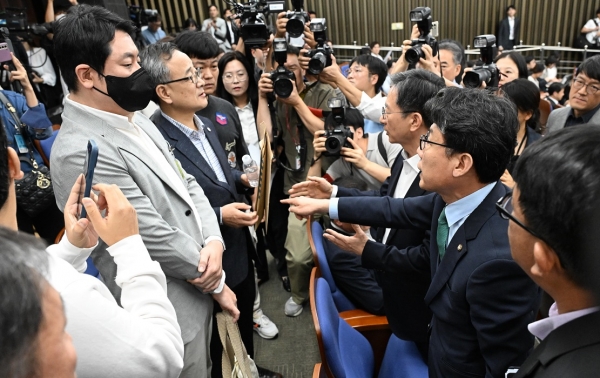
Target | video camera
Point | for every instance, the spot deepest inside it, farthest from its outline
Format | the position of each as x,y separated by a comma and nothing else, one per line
139,16
15,20
337,137
282,77
296,19
487,72
422,16
254,30
321,56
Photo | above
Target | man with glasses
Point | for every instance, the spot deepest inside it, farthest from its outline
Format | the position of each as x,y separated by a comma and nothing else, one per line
548,230
584,98
176,221
403,289
481,300
195,144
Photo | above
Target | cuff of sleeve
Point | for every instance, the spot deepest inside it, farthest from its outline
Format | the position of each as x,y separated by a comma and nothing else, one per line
334,191
73,253
211,238
219,289
333,208
364,101
221,219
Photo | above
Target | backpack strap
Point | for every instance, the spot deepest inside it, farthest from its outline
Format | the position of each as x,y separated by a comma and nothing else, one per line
381,147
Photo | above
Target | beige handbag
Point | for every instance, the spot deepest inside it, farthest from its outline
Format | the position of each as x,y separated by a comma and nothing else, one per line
235,361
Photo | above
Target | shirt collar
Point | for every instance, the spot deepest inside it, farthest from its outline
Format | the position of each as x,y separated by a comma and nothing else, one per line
542,328
465,206
115,120
186,130
587,116
248,106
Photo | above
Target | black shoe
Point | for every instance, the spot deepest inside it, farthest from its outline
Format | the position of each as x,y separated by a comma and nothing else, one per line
285,280
266,373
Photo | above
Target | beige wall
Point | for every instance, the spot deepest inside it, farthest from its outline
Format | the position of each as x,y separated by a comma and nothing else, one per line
542,21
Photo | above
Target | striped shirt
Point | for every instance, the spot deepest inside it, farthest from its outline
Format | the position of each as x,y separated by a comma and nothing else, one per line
201,143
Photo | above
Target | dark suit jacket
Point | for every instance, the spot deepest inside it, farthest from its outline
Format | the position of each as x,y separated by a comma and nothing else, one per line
481,300
504,32
235,32
237,240
571,350
403,289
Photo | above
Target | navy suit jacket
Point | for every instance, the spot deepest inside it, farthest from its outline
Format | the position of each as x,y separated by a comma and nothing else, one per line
237,240
403,289
481,300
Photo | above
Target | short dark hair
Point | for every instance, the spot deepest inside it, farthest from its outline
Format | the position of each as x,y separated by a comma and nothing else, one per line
351,182
478,123
510,7
225,11
4,173
590,67
415,88
598,11
558,178
529,59
365,50
23,261
458,54
552,59
353,117
518,59
538,68
154,18
252,91
312,12
190,22
375,67
526,97
293,50
555,88
213,6
197,44
83,36
373,44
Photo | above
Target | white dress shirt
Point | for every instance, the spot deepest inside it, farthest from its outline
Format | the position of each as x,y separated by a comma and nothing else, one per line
40,64
591,36
542,328
409,173
250,132
370,108
140,339
511,25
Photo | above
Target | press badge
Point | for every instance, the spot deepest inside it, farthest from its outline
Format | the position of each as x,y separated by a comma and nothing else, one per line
298,160
21,144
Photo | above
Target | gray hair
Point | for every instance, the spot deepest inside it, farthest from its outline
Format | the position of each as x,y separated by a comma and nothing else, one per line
23,261
458,53
154,59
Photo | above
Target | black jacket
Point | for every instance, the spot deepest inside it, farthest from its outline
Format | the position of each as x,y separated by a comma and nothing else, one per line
504,32
237,240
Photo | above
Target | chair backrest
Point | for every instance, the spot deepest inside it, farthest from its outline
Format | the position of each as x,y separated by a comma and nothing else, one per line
342,303
402,359
347,352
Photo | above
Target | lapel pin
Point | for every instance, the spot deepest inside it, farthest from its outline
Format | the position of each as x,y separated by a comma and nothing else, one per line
208,128
459,247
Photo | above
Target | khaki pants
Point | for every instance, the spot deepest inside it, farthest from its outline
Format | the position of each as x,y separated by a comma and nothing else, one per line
299,258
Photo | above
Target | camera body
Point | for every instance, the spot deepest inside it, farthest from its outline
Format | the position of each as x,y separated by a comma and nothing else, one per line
282,77
15,20
254,30
296,19
320,57
487,72
337,138
422,16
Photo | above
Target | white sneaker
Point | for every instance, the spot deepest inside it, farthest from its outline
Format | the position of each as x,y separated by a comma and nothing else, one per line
265,327
292,308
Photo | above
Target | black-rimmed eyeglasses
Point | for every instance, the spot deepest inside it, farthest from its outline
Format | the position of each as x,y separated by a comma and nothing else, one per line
194,78
424,139
505,208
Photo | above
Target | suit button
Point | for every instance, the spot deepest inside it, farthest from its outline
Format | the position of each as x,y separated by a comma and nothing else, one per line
460,247
188,212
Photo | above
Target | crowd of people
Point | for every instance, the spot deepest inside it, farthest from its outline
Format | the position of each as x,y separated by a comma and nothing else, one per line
458,213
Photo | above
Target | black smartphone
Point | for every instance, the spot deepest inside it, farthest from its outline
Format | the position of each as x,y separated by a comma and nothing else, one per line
89,165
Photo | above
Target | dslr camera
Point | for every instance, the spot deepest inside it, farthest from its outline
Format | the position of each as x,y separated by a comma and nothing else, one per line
282,77
337,137
321,56
296,19
422,16
487,72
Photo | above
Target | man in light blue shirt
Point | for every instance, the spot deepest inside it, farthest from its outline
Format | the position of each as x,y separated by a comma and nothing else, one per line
153,33
481,300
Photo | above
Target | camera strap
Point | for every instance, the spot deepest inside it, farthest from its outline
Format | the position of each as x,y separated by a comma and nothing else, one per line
300,145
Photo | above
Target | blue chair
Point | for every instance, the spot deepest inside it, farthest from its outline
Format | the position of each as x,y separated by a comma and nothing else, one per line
402,359
345,353
341,301
47,143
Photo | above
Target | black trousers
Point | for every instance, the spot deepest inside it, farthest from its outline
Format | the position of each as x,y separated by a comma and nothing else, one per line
245,293
47,223
278,223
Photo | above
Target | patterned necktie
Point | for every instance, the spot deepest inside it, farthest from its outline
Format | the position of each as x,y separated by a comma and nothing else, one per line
442,234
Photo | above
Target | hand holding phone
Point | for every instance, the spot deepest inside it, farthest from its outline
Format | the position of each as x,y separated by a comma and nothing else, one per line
89,165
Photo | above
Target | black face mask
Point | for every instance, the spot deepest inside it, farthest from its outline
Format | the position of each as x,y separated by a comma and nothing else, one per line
131,93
